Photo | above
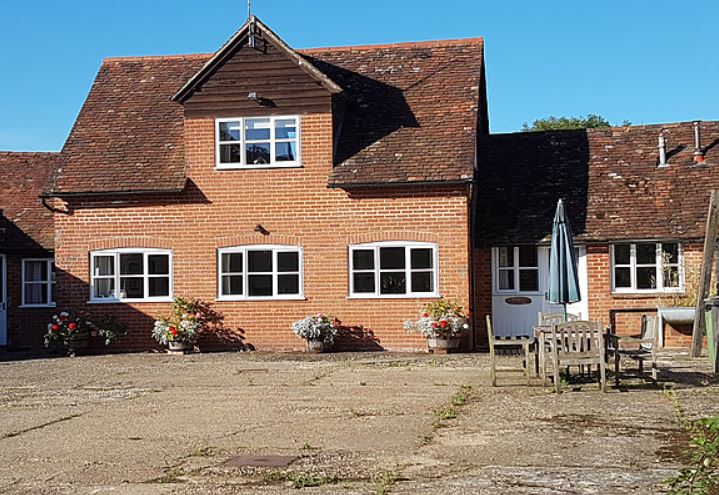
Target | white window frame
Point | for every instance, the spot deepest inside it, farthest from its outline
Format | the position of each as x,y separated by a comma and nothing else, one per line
145,276
408,246
275,248
273,140
659,273
515,269
49,283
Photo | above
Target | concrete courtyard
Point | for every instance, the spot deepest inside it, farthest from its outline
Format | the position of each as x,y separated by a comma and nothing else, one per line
357,423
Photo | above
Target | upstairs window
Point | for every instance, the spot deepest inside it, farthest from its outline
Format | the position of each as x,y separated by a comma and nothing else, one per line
258,142
259,272
393,269
131,275
647,267
38,282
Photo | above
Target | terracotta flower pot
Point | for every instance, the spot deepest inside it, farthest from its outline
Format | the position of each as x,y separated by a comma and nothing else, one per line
443,346
180,346
315,346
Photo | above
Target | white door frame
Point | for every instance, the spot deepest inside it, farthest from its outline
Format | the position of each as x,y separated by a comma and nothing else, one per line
3,300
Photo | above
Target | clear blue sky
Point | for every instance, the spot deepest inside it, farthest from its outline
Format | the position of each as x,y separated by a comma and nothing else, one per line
647,61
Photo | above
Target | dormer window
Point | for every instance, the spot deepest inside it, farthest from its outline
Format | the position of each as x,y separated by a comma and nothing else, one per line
257,142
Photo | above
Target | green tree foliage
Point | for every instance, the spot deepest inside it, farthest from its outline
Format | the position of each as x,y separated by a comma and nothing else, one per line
551,123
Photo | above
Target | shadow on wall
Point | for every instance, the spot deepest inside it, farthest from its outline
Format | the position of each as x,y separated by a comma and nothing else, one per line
356,338
520,178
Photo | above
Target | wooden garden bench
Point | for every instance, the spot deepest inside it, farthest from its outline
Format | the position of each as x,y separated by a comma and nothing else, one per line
578,343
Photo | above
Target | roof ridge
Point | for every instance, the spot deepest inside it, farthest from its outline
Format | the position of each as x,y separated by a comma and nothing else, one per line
158,57
400,44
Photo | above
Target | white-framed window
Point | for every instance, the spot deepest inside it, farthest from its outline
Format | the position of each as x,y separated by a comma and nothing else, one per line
131,274
260,272
38,282
257,142
647,267
517,269
393,269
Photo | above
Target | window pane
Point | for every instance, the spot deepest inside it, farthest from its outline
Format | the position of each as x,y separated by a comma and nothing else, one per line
363,282
646,278
285,129
159,286
622,254
288,284
104,265
52,293
257,129
422,282
529,280
259,261
131,264
393,283
671,277
35,271
104,287
391,257
132,287
506,256
232,263
506,279
158,264
421,258
232,285
52,271
363,259
286,152
646,254
288,262
622,278
670,252
259,285
527,256
230,153
36,293
258,153
230,131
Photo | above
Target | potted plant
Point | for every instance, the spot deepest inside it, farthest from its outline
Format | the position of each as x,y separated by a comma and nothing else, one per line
180,331
442,323
319,331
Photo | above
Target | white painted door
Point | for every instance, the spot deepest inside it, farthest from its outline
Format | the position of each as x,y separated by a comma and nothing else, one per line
3,301
519,285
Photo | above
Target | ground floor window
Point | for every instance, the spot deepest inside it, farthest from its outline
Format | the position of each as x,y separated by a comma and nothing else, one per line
38,282
393,269
131,275
647,267
517,269
260,272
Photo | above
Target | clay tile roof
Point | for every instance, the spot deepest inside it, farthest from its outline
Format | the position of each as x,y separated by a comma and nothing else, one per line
25,225
609,178
411,115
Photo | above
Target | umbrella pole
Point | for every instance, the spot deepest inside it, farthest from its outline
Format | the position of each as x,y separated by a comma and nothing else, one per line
565,312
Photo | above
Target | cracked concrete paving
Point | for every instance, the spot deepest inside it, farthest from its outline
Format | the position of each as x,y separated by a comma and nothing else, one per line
359,423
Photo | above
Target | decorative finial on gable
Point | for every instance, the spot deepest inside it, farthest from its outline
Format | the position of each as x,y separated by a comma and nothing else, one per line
251,27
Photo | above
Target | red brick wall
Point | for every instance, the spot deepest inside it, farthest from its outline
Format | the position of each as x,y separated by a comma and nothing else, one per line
26,326
222,208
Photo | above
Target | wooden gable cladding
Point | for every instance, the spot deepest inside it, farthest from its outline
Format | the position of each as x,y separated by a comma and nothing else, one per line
266,70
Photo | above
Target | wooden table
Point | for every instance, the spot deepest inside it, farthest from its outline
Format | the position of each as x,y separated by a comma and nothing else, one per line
542,333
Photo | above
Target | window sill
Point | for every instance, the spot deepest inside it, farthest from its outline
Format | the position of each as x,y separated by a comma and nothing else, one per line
395,296
226,166
130,301
37,306
262,298
646,294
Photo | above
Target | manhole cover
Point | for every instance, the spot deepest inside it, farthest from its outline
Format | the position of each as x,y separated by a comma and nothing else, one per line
261,461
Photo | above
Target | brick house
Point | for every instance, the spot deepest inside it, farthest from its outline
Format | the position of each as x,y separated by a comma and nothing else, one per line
358,181
26,249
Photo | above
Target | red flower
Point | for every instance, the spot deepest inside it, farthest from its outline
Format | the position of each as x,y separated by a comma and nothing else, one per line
443,323
426,315
55,328
172,331
72,326
434,324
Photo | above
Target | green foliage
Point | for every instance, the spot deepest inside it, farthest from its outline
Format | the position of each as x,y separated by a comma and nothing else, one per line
110,329
551,123
299,479
701,475
442,307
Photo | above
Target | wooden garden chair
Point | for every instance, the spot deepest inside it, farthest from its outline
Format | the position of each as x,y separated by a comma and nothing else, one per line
637,347
578,343
494,342
549,319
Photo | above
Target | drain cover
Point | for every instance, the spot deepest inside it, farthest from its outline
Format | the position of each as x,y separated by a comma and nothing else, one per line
261,461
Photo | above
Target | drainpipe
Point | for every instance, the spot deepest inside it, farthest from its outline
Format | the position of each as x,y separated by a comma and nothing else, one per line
662,150
698,153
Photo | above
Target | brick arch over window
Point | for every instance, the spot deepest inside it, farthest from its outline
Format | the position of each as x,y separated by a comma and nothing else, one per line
252,239
367,237
130,242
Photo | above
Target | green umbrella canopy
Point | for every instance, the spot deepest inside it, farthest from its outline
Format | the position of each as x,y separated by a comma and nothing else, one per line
563,274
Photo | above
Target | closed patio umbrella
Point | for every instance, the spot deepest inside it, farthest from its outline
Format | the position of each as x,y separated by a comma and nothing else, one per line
563,274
